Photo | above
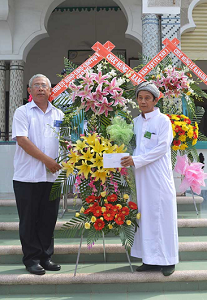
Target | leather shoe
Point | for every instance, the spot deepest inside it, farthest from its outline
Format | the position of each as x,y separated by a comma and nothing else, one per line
145,267
168,270
50,266
36,269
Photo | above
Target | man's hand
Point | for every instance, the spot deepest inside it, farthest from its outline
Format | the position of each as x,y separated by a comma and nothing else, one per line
51,165
127,161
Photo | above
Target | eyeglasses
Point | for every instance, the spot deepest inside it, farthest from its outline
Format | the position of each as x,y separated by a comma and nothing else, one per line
37,86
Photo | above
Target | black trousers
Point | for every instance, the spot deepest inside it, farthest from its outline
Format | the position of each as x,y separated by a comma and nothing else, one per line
37,219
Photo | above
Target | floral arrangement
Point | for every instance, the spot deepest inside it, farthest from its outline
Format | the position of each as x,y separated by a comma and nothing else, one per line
185,134
103,95
106,213
86,157
177,86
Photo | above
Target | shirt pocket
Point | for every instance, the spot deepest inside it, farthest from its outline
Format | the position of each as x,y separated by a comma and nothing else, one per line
152,142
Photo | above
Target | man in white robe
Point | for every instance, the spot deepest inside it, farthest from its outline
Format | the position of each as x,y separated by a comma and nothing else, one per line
156,240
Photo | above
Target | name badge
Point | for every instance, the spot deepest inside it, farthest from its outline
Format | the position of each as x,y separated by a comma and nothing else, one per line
147,135
57,123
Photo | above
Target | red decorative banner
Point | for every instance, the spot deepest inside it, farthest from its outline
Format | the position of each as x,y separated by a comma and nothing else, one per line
78,72
187,61
104,51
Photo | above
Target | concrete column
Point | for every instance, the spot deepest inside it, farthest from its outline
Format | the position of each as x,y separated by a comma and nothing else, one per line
150,36
170,28
2,99
16,88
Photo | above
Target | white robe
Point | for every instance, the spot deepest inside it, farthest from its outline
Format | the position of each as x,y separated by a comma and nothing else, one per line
156,239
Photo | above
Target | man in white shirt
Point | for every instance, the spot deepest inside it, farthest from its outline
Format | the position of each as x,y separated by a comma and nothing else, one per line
156,239
35,170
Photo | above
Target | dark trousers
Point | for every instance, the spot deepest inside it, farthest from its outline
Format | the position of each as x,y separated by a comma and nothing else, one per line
37,219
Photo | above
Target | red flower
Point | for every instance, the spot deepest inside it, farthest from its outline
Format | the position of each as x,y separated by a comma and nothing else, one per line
188,121
99,224
88,211
108,206
112,198
125,211
195,135
97,211
119,219
177,128
176,142
90,199
132,205
109,215
115,208
181,132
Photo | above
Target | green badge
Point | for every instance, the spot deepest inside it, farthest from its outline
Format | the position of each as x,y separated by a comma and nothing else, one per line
147,135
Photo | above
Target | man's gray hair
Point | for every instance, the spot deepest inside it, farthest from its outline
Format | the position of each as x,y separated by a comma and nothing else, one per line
36,76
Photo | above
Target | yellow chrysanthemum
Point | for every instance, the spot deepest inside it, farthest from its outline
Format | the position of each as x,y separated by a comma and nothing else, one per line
128,222
84,168
73,157
138,216
190,134
103,194
182,138
68,167
119,206
188,93
185,127
126,196
82,210
93,219
87,225
77,215
103,209
101,218
175,147
183,146
194,142
110,226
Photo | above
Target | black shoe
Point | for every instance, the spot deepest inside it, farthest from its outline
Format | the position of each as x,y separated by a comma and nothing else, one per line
36,269
50,266
145,267
168,270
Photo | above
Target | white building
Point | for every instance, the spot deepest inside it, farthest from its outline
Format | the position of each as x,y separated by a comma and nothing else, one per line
35,36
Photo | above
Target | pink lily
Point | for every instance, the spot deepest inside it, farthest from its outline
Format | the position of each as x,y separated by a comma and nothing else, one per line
90,104
88,78
86,93
74,88
98,94
104,107
118,98
112,87
99,78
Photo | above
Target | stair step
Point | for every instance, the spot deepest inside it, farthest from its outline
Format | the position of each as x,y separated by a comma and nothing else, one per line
97,278
184,203
67,253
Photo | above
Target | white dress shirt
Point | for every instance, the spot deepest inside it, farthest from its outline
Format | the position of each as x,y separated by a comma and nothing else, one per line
30,121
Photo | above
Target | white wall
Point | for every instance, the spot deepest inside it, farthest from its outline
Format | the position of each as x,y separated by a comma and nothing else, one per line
73,31
7,169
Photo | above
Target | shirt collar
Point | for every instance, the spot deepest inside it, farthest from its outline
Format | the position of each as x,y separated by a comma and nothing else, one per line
32,104
153,113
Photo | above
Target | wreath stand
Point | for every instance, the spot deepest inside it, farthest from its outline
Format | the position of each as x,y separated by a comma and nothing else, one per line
104,253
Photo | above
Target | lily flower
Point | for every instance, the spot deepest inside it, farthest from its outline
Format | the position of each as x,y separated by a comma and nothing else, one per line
86,93
68,167
85,169
112,87
104,107
99,78
118,98
73,157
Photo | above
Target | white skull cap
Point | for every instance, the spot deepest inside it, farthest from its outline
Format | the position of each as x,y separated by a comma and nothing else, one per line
147,86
